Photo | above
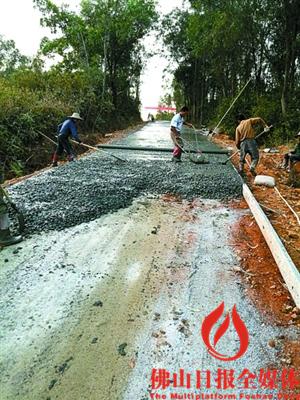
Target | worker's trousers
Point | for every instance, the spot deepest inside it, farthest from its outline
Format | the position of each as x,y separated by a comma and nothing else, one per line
63,144
249,146
177,151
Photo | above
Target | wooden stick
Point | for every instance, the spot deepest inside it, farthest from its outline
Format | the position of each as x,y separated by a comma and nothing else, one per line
232,104
97,149
270,209
293,211
47,137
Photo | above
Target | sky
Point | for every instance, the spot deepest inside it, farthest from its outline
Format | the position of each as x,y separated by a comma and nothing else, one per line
20,21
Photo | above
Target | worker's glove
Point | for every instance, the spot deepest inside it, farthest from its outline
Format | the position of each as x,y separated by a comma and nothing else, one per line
267,129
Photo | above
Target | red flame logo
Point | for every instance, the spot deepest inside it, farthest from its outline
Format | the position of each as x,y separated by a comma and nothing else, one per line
211,320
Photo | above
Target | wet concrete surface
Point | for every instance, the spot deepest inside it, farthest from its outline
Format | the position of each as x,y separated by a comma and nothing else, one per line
157,135
98,184
89,310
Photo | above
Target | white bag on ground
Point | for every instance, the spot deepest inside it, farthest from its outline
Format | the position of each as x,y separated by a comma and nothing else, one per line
264,180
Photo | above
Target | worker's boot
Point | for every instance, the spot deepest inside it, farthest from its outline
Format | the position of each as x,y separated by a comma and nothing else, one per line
71,158
7,239
54,160
253,167
176,159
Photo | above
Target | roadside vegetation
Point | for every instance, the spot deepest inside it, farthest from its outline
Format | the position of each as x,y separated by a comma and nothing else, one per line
97,63
217,46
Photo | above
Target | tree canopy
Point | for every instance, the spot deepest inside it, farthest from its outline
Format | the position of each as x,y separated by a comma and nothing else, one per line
219,45
98,59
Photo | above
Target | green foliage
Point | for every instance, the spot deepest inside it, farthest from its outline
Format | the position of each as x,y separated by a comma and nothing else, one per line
10,57
17,168
220,45
101,59
24,112
164,116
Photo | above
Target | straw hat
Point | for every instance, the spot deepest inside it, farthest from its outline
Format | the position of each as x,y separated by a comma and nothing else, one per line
75,116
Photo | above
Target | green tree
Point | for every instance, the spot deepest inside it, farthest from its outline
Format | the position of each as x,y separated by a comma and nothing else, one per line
10,56
284,49
220,45
104,39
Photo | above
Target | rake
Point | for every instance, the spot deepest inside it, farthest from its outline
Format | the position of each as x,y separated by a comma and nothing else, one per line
195,158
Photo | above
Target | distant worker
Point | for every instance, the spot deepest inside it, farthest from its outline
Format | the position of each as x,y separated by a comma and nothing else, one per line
66,130
245,141
150,117
176,126
6,238
292,156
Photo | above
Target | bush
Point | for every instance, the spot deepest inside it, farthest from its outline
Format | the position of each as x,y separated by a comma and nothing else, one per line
35,101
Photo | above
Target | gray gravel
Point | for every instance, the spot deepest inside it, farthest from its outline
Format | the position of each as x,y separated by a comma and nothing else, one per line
95,185
98,184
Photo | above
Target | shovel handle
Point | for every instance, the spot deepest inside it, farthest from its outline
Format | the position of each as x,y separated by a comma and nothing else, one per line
96,148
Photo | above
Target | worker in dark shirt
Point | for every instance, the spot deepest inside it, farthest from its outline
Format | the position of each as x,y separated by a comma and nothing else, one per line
292,156
66,130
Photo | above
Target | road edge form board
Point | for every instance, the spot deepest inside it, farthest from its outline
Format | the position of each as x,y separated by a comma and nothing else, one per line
157,149
283,260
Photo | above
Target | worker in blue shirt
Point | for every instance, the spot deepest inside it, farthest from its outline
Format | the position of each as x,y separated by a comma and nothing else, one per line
66,130
176,126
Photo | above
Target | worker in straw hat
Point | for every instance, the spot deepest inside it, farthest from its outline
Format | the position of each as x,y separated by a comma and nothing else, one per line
292,156
66,130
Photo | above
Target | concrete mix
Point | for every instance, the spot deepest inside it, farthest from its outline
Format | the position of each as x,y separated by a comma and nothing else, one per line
97,184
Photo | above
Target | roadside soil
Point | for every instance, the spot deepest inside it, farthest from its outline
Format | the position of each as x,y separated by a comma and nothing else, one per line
265,286
282,219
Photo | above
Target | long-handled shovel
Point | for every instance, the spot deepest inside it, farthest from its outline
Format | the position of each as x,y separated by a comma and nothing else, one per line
85,145
97,149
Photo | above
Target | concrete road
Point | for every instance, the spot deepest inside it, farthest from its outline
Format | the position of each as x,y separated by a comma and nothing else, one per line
94,311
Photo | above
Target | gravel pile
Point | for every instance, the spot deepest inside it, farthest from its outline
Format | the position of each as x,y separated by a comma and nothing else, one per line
95,185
